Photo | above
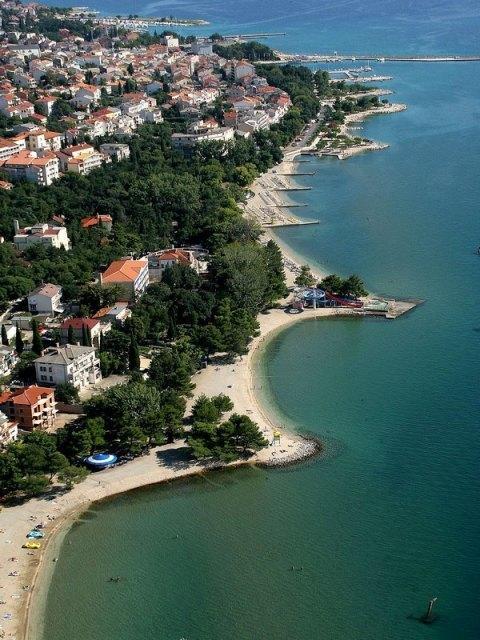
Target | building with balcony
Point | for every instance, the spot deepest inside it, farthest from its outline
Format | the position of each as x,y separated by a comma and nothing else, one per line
75,364
131,276
81,158
46,299
187,141
41,167
30,407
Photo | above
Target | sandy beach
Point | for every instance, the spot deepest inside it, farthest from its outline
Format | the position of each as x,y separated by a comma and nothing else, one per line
25,574
162,464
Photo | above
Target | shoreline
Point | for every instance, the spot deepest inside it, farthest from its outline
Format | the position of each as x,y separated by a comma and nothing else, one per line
238,383
236,380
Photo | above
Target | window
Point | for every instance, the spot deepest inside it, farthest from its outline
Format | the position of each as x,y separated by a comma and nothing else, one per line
43,377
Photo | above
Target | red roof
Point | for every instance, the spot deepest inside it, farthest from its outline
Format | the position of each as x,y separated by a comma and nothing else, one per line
123,271
92,221
176,255
26,395
78,323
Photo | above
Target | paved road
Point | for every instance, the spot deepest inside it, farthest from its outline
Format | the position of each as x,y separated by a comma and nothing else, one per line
307,133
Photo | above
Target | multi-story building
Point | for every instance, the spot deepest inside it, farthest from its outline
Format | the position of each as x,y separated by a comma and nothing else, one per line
45,299
81,158
8,430
75,364
41,233
8,148
41,167
30,407
161,260
117,151
187,141
39,139
130,275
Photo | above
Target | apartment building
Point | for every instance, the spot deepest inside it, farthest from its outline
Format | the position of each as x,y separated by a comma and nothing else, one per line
81,158
30,407
187,141
75,364
130,275
41,167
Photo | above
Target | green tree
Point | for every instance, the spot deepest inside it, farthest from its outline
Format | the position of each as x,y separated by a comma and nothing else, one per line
66,392
19,346
133,354
172,368
85,335
70,335
332,283
71,475
276,287
24,370
243,433
210,410
37,345
305,278
353,286
4,336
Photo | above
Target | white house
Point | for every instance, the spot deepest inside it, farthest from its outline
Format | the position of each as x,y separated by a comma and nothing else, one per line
114,150
41,233
45,299
186,141
73,363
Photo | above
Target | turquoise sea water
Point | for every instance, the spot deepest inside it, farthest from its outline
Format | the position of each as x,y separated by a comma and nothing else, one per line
391,515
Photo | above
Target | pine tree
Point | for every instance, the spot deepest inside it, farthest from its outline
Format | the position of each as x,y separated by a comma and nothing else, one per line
89,337
18,342
37,345
84,336
70,335
4,336
133,354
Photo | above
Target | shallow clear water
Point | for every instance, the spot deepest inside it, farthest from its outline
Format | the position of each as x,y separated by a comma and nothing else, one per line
391,515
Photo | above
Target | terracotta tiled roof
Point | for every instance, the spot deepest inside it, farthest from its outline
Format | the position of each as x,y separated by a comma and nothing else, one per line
26,395
78,323
124,270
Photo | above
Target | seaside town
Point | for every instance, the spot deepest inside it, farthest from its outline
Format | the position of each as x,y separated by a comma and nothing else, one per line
140,178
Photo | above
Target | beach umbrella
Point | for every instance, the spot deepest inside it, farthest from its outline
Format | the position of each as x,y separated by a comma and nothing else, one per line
101,460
